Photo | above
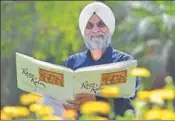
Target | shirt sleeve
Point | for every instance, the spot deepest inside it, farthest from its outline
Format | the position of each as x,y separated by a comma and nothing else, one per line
69,62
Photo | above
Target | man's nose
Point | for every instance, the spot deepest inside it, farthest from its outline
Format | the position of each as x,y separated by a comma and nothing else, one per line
95,29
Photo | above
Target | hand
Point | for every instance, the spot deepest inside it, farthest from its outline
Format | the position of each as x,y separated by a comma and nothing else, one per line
80,98
72,104
84,97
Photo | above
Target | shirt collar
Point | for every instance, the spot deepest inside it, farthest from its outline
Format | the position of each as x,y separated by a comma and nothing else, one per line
107,55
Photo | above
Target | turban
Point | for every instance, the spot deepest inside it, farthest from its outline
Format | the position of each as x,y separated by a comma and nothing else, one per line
102,10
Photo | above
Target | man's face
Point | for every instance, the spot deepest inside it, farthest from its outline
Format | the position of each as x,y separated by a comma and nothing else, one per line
96,34
94,26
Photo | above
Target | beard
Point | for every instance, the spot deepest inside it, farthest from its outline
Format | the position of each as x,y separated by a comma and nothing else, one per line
97,41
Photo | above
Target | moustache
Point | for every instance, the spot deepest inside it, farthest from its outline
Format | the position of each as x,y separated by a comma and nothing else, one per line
96,36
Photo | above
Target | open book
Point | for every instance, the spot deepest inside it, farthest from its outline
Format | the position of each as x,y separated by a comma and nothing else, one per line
62,83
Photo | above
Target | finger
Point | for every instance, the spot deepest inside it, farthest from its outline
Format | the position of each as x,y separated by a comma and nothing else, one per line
80,94
74,102
83,100
71,101
78,98
75,107
68,106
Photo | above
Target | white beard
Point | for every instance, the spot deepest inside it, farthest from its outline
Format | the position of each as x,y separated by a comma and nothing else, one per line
97,44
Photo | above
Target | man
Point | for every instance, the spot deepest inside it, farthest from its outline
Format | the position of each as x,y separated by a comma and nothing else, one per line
97,25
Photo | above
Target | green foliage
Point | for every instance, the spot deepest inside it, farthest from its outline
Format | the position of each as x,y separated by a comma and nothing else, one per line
169,6
60,23
16,24
141,12
56,23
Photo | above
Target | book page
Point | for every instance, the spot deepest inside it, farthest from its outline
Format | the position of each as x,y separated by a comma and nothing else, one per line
91,79
43,78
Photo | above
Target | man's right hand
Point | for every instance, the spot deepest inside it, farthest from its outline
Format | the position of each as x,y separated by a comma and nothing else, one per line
72,104
79,100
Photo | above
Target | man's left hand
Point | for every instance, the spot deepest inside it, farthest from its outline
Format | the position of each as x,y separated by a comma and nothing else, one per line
84,97
80,98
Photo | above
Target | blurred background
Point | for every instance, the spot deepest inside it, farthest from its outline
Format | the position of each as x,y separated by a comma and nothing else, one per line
49,31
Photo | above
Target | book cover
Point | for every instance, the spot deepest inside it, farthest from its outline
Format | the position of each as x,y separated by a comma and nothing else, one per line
62,83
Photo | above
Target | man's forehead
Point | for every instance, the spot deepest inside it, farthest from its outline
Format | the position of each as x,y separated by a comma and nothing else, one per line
94,16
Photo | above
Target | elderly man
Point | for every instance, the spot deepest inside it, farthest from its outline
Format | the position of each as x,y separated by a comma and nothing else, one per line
97,25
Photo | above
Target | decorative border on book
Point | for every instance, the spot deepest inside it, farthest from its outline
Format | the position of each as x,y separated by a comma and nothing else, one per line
114,78
51,77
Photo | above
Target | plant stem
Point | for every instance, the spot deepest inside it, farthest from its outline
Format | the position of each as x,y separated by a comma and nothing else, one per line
112,113
170,104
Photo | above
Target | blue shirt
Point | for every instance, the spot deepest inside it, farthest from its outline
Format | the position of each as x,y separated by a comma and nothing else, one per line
111,55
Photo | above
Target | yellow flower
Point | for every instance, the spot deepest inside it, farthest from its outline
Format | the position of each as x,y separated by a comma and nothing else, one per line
27,99
70,114
41,110
164,93
23,111
35,107
17,111
4,116
152,114
110,91
168,94
10,110
44,111
51,118
156,99
140,72
95,107
143,95
167,115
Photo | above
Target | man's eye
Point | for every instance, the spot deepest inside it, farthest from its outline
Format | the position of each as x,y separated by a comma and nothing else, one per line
89,26
101,24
